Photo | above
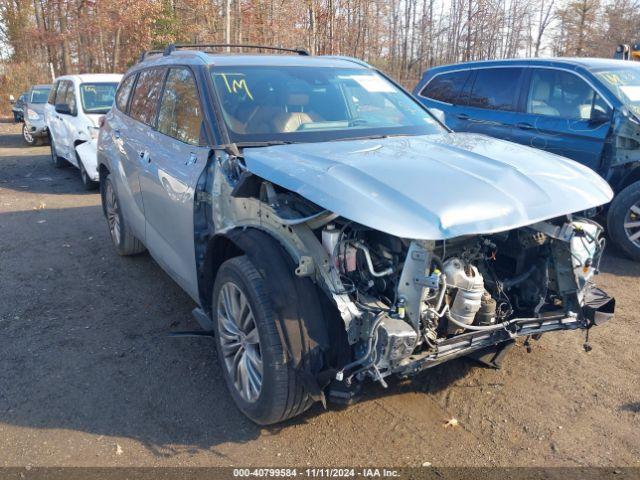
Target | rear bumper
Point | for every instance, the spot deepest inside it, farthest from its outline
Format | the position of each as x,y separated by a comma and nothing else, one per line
598,309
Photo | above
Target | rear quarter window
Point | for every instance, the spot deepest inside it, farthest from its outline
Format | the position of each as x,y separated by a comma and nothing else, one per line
144,100
446,87
123,93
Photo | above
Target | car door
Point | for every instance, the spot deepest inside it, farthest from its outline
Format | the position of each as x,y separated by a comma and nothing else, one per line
56,96
488,104
63,141
175,161
67,122
50,109
134,135
563,114
442,93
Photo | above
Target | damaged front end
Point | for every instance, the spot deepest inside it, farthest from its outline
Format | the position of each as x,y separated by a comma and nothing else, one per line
408,304
426,302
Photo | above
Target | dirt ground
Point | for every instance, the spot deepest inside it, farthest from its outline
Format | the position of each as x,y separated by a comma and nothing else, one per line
89,376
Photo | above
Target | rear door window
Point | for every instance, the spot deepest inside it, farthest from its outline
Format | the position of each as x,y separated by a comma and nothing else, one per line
122,96
495,88
70,97
446,87
52,94
144,102
557,93
180,115
59,89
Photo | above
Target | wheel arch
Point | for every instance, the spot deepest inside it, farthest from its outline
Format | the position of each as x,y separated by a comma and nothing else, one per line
631,177
321,320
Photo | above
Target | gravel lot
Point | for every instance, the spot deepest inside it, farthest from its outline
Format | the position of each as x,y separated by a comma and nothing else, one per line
89,376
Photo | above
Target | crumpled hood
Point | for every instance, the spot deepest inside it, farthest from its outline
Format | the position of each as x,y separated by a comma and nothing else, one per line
432,187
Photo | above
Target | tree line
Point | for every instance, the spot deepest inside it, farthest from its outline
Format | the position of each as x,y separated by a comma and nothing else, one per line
39,38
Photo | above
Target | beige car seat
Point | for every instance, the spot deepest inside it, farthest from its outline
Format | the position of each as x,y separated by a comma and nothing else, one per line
538,100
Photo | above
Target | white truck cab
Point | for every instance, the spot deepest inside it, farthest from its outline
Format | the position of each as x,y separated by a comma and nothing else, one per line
72,116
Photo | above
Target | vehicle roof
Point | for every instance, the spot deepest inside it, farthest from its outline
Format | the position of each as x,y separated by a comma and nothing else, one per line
40,86
571,62
193,57
92,77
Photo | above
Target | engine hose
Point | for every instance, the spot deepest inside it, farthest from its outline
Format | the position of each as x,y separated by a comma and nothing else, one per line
370,344
497,326
512,282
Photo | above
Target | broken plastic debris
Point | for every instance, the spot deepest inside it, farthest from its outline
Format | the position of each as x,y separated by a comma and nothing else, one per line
453,422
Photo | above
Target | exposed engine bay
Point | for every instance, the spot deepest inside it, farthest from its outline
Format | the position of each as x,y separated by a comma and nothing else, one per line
407,304
418,296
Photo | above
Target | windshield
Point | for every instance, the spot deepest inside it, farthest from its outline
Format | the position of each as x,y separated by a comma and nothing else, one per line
40,95
624,83
311,104
97,97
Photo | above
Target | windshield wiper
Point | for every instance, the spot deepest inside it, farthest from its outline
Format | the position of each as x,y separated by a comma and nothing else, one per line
233,148
269,143
377,137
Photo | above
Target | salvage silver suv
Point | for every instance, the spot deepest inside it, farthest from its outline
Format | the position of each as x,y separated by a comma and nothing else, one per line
331,230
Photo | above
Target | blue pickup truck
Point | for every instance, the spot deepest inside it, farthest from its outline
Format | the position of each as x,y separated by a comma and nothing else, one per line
585,109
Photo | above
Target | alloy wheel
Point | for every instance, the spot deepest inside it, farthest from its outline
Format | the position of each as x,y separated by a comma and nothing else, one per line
239,341
113,213
27,134
632,224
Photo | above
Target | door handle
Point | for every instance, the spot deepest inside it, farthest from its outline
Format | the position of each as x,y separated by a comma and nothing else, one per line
463,116
524,126
116,134
144,156
193,158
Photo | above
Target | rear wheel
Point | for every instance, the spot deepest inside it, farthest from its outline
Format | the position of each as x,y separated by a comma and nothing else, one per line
261,380
123,240
623,221
57,160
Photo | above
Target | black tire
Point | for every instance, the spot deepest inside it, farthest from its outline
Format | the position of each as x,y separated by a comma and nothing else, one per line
57,160
124,241
625,209
87,183
281,395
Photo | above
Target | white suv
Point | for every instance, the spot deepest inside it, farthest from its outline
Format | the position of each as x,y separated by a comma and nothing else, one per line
75,105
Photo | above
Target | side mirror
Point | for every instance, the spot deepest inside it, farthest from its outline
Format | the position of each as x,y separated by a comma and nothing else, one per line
63,108
598,117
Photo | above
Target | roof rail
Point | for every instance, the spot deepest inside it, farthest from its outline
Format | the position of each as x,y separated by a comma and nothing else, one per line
149,52
349,59
200,46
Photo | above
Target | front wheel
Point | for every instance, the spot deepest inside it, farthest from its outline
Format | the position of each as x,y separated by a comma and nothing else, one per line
123,240
262,382
84,176
27,136
623,221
